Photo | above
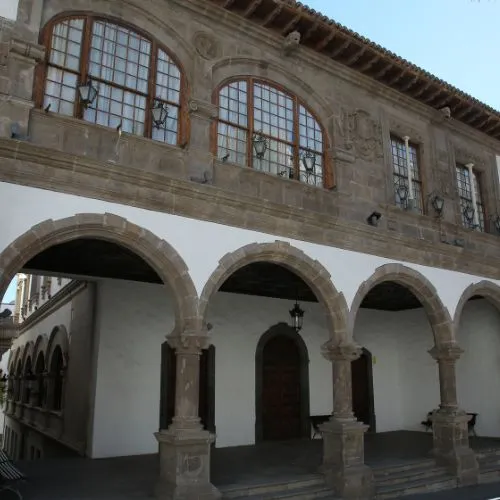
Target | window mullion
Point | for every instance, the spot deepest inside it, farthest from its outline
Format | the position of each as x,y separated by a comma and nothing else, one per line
153,62
296,139
250,120
84,63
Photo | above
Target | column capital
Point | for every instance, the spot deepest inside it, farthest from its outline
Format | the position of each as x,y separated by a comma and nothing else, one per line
446,352
189,342
341,351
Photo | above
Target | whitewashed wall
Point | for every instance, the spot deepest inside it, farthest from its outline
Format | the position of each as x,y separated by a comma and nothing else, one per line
478,370
189,237
132,322
4,366
8,9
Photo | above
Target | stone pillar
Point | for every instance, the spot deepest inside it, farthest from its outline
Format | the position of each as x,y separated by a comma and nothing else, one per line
343,436
449,423
185,447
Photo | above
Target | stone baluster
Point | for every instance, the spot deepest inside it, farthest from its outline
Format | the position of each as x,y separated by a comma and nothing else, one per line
449,423
185,446
343,436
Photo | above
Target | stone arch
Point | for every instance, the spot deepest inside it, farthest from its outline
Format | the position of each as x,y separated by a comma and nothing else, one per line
285,330
486,289
13,360
296,261
41,345
420,286
58,338
161,256
230,68
28,353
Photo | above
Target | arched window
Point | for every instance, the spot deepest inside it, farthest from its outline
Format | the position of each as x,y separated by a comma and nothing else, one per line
40,380
18,383
28,377
56,373
131,73
266,128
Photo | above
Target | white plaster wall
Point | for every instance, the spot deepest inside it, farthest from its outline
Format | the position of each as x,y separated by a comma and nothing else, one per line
8,9
478,369
4,366
405,377
133,320
239,321
189,237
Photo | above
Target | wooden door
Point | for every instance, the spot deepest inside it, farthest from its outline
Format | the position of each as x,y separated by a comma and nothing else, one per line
361,386
281,415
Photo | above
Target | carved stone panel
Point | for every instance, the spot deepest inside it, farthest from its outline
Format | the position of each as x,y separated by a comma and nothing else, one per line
357,132
206,45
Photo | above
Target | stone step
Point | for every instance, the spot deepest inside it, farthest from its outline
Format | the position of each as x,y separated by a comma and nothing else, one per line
255,491
438,483
487,453
405,476
381,471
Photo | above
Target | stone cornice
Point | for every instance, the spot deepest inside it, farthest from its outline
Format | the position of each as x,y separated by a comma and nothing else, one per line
39,167
62,297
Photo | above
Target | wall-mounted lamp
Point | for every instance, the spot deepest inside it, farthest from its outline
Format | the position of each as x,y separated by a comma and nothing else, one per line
309,161
160,114
87,92
438,204
260,145
373,218
468,212
402,192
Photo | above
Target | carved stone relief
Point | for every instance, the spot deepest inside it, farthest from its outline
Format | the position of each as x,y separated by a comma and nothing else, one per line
359,134
206,45
192,465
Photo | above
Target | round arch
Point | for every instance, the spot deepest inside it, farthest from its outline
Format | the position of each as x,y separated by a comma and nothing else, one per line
296,261
284,330
161,256
41,345
486,289
29,349
420,286
58,338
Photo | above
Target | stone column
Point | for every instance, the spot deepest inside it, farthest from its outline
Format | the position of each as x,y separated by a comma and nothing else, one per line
449,423
343,436
185,447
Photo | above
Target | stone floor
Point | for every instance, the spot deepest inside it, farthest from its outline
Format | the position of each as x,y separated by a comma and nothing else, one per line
133,477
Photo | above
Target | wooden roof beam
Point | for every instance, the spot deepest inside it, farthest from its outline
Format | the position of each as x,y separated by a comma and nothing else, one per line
493,126
422,90
462,112
383,71
340,48
411,82
310,32
396,77
288,27
365,67
429,98
251,8
270,17
227,3
444,100
355,57
321,45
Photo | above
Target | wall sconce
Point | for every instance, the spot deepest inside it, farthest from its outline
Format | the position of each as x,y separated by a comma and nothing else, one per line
260,145
402,192
87,92
373,218
438,204
468,212
160,114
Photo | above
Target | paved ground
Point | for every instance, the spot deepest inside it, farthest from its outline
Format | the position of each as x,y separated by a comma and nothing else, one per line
481,492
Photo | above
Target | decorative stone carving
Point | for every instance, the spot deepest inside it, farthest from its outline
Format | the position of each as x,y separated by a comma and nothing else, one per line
202,108
189,343
446,353
291,43
341,351
206,45
464,155
360,134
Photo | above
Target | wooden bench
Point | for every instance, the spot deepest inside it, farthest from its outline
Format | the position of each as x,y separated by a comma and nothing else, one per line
316,421
471,424
9,476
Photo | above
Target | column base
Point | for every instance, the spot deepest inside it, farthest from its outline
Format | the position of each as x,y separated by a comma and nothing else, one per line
343,459
451,445
185,465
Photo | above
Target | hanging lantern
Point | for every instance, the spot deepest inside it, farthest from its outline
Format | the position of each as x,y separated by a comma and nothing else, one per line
260,145
87,92
438,204
309,162
402,192
160,114
297,315
469,213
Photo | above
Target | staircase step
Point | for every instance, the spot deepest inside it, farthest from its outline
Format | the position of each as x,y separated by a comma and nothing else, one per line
380,471
412,487
430,474
487,453
256,491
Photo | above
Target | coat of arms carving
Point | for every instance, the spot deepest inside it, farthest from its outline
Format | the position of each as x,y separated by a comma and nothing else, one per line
360,134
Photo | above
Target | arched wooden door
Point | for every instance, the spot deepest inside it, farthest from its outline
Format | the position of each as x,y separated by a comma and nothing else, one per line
282,388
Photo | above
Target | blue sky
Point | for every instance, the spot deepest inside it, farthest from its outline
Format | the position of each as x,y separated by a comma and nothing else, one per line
456,40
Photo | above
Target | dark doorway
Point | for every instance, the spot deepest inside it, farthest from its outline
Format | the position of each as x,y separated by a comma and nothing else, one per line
362,389
207,387
282,385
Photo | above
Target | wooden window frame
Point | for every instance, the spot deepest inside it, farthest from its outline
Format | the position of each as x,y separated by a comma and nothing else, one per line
478,175
327,164
41,71
416,146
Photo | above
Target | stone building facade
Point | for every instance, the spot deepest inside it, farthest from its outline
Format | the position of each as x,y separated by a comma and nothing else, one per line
250,147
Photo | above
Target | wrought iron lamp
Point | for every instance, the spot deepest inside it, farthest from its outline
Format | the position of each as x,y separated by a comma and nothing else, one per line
160,114
438,204
309,162
87,92
297,315
495,219
260,145
468,212
402,192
